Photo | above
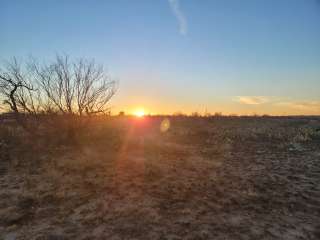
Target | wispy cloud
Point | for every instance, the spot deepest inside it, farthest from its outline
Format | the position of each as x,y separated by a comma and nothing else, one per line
296,106
313,106
252,100
182,21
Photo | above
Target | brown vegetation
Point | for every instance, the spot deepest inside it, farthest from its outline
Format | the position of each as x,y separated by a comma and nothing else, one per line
122,178
61,90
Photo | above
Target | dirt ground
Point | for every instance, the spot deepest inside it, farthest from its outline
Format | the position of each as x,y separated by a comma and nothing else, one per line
203,178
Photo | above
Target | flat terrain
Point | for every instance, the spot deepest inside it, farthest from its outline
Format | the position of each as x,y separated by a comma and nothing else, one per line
204,178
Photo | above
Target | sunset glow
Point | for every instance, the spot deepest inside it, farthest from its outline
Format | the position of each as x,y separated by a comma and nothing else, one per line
160,119
176,56
139,113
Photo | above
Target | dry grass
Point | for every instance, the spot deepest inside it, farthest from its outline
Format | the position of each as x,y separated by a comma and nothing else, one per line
122,178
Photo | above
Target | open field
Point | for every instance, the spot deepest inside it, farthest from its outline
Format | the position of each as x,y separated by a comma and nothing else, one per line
203,178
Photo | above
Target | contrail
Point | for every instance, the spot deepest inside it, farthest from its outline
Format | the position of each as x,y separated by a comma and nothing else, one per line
175,7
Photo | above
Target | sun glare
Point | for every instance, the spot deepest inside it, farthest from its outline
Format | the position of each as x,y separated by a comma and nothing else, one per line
139,113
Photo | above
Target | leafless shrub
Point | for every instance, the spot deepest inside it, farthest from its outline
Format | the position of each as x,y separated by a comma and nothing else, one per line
61,90
18,92
74,88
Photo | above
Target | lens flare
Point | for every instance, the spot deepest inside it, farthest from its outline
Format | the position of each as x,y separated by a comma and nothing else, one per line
165,125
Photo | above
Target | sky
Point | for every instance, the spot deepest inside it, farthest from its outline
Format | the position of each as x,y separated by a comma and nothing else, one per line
229,56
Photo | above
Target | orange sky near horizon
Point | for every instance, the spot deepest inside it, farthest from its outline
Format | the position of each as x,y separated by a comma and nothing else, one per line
235,57
237,106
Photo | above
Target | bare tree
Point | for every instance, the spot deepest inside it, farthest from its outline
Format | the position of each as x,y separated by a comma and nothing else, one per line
13,86
75,88
17,92
65,88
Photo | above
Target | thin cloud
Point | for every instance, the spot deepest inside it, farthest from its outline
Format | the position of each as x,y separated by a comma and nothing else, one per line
252,100
313,106
182,21
297,106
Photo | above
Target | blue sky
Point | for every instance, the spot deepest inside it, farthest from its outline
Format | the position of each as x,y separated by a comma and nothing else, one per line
231,56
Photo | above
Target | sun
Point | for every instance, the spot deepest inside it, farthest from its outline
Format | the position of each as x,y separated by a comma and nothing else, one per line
139,113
